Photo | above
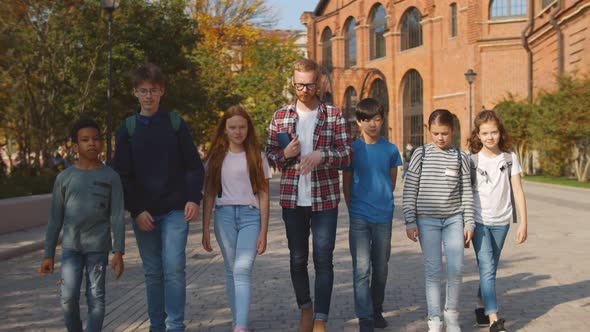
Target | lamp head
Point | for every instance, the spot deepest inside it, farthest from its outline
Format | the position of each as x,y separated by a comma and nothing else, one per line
470,75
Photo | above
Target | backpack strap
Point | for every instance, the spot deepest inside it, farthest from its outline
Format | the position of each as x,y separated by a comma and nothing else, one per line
459,161
474,158
130,123
175,120
508,168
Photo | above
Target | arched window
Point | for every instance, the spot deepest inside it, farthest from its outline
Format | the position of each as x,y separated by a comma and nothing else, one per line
453,14
327,49
507,8
350,100
411,29
378,92
376,32
412,108
350,43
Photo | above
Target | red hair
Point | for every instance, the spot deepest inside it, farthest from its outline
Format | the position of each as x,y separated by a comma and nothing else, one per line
220,146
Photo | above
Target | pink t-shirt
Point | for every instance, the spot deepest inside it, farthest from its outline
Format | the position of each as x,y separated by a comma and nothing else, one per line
236,188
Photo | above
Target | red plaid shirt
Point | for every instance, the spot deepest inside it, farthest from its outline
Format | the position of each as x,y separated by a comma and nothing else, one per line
329,137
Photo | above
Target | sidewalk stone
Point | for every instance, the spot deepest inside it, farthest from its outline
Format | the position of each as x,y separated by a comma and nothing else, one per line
542,285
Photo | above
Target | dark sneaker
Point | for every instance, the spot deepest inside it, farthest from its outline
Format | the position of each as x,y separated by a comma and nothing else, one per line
498,326
380,321
366,325
481,319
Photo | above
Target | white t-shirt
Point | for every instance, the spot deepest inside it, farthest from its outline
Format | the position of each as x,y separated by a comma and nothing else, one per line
491,194
236,188
305,129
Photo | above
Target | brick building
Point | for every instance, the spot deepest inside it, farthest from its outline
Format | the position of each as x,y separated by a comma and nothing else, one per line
412,55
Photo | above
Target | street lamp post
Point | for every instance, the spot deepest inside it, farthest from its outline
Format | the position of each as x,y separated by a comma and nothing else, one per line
109,6
470,77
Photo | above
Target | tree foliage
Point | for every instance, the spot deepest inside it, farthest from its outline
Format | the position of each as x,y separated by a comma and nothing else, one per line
515,115
53,64
557,125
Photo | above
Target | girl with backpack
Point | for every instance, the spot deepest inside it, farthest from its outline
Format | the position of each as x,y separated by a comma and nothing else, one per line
237,183
438,211
496,187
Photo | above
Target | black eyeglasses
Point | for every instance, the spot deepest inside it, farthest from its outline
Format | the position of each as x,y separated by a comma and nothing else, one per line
145,92
301,86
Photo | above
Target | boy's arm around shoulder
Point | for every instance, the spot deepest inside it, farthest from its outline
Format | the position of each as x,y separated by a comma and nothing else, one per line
56,216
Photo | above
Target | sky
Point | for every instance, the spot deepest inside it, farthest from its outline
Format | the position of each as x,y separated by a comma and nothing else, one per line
289,12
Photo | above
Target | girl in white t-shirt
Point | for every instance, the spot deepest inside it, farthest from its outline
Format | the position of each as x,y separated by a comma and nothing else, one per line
237,182
490,146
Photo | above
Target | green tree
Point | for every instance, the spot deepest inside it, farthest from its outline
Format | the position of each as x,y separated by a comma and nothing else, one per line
560,127
515,115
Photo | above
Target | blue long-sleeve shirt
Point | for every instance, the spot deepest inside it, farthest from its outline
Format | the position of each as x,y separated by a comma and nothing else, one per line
160,168
88,205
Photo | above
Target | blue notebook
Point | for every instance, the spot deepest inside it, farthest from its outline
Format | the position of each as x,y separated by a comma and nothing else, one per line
283,139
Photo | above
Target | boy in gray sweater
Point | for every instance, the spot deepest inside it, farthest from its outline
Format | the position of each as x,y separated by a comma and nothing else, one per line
87,203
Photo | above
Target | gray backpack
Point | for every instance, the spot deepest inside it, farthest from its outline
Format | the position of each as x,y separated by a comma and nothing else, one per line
506,168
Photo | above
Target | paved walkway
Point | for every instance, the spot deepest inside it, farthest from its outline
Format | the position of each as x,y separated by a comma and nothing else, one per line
543,285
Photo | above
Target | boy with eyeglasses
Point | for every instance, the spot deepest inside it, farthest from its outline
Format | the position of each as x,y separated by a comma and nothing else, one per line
309,190
162,177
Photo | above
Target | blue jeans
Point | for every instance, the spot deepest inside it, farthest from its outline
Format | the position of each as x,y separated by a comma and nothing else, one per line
487,243
237,228
432,233
370,247
72,267
298,222
163,255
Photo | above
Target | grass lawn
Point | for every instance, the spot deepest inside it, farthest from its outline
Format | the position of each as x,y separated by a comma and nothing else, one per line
557,180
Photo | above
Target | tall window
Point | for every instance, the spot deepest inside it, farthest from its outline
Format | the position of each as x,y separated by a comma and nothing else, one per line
350,43
412,109
327,49
350,111
507,8
411,29
453,15
377,30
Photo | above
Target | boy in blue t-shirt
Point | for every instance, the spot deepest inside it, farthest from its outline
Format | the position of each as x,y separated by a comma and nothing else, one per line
368,185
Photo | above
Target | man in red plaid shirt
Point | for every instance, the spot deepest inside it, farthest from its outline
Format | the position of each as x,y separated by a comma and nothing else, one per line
308,143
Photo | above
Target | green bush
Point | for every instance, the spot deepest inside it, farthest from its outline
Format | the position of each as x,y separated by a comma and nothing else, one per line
21,185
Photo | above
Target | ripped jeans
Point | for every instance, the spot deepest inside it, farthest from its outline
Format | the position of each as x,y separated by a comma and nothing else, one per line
73,264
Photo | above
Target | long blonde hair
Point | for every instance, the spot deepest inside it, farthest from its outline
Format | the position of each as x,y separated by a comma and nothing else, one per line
220,146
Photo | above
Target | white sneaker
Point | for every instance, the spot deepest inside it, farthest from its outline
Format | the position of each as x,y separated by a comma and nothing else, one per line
452,321
435,325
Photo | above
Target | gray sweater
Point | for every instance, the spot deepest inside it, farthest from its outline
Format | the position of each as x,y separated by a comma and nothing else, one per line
87,204
440,190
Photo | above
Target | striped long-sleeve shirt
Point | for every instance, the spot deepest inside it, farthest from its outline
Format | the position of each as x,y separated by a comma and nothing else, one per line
440,189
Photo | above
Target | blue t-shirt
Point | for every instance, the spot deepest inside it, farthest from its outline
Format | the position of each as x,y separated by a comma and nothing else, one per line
371,191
